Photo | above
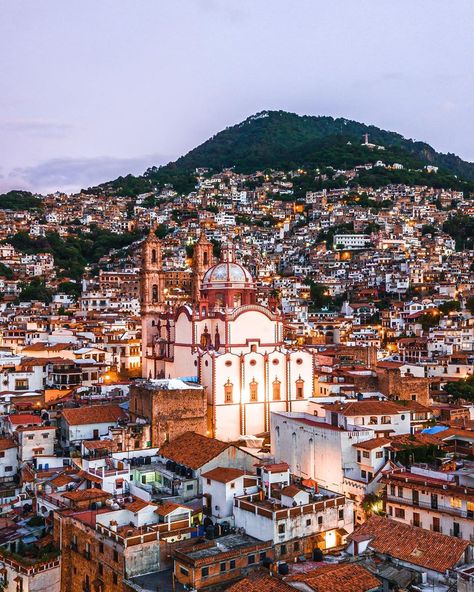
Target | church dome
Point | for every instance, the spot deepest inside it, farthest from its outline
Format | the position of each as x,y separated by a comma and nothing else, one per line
227,274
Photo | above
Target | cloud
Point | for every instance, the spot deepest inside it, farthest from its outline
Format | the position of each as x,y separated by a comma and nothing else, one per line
72,174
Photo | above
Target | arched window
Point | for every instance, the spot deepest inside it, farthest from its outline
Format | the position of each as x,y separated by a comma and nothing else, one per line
253,390
237,299
300,388
276,389
205,258
228,391
153,256
154,293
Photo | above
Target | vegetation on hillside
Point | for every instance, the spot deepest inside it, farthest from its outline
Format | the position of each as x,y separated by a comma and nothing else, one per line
284,141
19,200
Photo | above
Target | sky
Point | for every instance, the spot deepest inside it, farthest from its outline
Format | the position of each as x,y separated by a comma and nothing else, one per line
93,89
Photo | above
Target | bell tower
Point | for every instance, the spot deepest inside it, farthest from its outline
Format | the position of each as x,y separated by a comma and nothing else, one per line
151,295
202,260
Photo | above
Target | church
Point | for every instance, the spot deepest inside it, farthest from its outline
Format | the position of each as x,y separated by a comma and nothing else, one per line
224,339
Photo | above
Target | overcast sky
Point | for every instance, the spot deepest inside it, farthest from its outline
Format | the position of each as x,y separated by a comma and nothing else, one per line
96,88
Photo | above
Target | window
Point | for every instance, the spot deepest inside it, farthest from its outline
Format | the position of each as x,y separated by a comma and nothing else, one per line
283,550
363,474
366,454
115,578
296,546
390,510
2,454
251,559
308,522
223,566
101,569
400,491
392,489
232,485
300,388
341,514
228,391
276,389
262,556
281,529
204,572
456,502
189,487
8,469
379,454
101,547
470,509
115,555
373,421
208,481
416,519
253,390
45,435
21,384
359,456
183,571
320,520
399,513
386,419
232,564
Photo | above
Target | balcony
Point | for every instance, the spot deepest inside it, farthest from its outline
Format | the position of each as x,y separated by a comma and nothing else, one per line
403,501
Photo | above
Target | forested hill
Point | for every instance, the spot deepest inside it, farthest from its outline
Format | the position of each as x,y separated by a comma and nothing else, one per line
281,140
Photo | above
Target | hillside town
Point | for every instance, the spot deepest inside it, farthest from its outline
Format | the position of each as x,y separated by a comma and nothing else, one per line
265,383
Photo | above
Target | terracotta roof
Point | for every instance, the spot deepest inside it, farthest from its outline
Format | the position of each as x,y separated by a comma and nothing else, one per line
193,450
7,443
137,505
100,445
36,428
259,581
343,577
291,491
372,443
367,407
22,418
86,494
168,507
428,549
276,468
223,474
94,414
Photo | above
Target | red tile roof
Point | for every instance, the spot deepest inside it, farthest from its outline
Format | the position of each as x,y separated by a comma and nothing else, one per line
260,581
425,548
223,474
372,443
343,577
7,443
368,407
24,418
94,414
168,507
193,450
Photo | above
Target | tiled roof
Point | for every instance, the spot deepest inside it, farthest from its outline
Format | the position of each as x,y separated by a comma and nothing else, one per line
86,494
367,407
291,491
168,507
223,474
428,549
193,450
260,581
94,414
276,468
137,505
7,443
372,443
24,418
343,577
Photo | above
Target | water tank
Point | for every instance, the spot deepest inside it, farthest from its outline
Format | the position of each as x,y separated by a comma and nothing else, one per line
283,568
317,554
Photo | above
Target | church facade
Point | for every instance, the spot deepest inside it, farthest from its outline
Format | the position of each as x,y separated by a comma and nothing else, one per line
223,337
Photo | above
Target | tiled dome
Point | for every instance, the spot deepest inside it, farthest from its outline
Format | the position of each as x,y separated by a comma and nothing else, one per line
227,274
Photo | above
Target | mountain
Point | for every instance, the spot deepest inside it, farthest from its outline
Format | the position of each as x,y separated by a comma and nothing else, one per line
282,140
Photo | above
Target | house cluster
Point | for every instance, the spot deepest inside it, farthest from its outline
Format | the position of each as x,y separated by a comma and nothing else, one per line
268,387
